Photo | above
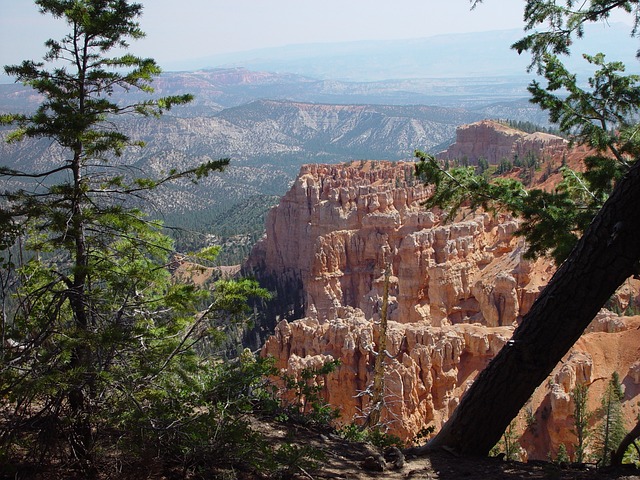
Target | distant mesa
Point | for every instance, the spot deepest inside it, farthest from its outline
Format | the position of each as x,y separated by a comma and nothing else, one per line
496,142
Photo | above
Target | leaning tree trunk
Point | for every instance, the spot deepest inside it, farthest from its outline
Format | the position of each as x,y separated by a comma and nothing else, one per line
607,254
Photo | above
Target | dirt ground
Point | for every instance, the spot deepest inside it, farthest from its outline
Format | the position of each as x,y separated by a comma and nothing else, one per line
349,463
359,461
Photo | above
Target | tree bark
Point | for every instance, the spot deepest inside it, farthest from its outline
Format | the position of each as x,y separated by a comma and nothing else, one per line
607,254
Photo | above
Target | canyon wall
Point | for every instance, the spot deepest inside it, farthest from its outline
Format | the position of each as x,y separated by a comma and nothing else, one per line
338,227
457,290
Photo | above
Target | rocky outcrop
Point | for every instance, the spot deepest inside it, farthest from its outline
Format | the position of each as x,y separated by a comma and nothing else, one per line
457,289
456,292
495,142
424,376
339,226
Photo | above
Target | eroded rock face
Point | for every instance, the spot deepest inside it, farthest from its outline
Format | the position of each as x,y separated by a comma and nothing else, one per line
496,142
457,290
339,226
423,371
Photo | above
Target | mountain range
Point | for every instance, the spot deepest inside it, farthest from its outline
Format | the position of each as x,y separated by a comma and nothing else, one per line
460,55
270,124
326,105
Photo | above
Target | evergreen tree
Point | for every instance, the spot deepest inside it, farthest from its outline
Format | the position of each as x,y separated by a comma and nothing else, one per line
581,417
505,166
610,430
100,332
562,456
483,165
508,446
628,445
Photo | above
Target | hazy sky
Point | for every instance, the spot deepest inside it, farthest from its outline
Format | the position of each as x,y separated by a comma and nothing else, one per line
179,29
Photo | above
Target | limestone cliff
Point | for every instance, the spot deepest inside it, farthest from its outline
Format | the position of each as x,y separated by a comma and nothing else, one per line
496,142
457,291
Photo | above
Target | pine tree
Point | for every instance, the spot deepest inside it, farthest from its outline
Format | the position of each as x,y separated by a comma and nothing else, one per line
483,165
562,456
628,445
610,431
581,417
99,330
509,444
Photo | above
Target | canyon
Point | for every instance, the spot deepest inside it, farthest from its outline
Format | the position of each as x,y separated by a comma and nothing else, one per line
457,290
269,124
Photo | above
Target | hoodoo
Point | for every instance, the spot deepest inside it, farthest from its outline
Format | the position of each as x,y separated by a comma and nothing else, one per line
457,291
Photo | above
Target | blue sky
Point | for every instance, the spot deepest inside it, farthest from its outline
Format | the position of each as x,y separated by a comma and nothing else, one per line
178,29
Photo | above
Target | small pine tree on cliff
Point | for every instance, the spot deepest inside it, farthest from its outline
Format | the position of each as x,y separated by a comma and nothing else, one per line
610,430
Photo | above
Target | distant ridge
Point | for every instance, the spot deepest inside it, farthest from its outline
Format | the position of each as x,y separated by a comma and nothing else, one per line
482,54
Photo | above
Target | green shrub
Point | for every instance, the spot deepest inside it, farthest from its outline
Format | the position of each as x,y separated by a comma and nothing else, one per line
300,397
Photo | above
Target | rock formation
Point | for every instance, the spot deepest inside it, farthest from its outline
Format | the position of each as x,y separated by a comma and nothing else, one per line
496,142
339,225
456,292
